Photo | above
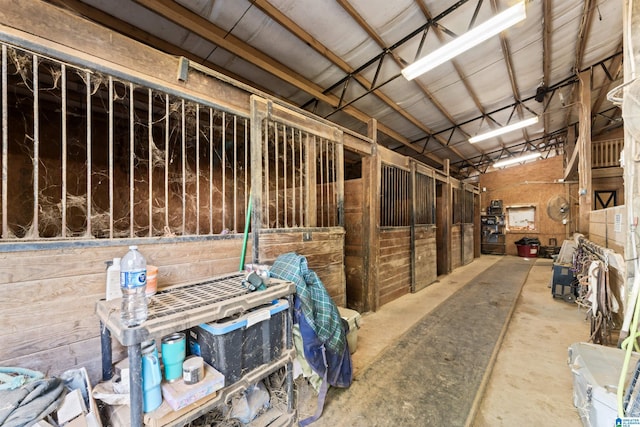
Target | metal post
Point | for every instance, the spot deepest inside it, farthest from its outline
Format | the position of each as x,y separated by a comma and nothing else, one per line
105,345
135,383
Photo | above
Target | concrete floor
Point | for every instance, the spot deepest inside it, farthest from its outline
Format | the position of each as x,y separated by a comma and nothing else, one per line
530,383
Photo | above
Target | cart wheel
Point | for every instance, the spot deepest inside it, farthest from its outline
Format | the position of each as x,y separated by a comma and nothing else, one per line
569,297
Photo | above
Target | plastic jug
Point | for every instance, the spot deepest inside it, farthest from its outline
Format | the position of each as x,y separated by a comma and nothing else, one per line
151,377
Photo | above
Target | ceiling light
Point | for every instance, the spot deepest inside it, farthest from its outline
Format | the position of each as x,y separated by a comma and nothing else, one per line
504,129
471,38
515,160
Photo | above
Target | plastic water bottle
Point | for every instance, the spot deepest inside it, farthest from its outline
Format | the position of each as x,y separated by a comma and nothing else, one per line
133,281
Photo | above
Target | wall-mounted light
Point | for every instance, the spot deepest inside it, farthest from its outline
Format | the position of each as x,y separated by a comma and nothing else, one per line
515,160
470,39
504,129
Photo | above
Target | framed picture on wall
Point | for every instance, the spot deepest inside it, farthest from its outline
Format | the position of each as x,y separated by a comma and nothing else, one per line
521,218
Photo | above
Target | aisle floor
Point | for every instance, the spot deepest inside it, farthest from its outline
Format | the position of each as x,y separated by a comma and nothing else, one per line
530,383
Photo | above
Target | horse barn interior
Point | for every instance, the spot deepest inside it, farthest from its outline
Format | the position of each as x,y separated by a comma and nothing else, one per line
223,138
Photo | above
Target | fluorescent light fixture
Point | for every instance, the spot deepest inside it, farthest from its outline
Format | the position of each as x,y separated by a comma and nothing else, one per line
471,38
504,129
515,160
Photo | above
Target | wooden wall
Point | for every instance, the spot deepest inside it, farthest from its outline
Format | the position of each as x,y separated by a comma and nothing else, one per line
323,248
48,297
468,243
531,184
456,246
355,244
394,272
425,255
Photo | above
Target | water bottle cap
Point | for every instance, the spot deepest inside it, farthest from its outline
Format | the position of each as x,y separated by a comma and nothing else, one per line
133,247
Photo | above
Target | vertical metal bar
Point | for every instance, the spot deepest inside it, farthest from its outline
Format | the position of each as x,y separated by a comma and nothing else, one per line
166,162
197,169
246,169
327,181
302,176
36,144
235,173
110,157
210,170
293,178
135,380
63,142
5,145
132,172
150,157
224,170
183,143
277,177
286,170
320,154
89,152
265,159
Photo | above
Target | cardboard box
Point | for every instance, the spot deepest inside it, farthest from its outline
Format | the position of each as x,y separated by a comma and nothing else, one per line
75,400
178,394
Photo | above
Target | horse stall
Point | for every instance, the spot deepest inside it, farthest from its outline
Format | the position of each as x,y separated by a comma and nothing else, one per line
107,143
391,226
463,240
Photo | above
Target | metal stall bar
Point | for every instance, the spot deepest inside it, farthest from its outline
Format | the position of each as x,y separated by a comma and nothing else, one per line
89,152
224,170
197,168
150,157
302,222
211,133
166,162
111,157
277,171
284,195
36,144
265,203
5,145
132,173
246,169
183,149
293,178
235,174
63,142
320,157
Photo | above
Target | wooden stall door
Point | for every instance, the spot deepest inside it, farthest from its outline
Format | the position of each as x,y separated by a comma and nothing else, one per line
443,229
355,238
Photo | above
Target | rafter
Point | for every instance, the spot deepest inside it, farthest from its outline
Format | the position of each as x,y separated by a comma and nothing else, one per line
299,32
372,33
187,19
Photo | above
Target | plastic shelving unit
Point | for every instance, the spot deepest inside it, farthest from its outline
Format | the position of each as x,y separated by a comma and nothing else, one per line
184,306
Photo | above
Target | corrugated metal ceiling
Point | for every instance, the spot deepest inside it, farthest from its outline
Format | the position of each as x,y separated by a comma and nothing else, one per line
342,59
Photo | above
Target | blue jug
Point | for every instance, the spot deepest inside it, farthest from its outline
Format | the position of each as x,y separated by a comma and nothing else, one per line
151,377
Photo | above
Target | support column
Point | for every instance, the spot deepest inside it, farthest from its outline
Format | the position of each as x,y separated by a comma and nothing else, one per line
584,159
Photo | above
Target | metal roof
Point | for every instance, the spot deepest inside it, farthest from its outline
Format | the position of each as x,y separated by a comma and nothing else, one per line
342,59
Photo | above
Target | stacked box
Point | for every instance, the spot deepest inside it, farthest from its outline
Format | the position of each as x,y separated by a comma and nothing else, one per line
239,344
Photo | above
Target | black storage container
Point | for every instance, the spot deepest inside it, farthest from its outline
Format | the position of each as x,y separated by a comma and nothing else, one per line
237,345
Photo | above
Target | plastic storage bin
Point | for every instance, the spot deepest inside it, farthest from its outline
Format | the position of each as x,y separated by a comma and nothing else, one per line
529,251
596,371
353,318
237,345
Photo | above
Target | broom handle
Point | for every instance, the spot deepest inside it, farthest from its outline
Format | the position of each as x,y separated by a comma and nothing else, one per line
247,221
